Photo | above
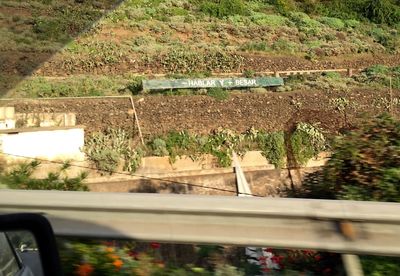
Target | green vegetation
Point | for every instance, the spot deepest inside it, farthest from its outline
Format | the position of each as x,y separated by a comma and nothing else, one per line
273,147
222,8
110,149
21,177
107,153
218,93
307,141
107,150
69,87
189,36
364,166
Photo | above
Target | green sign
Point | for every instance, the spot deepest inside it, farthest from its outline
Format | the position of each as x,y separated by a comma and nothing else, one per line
211,82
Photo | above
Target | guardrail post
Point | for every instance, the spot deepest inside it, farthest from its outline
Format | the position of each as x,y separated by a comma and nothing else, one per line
352,265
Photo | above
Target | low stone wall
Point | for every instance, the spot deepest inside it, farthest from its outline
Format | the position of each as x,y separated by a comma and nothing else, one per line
263,182
186,176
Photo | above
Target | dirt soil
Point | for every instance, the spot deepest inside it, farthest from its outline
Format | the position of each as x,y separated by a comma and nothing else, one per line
202,114
256,62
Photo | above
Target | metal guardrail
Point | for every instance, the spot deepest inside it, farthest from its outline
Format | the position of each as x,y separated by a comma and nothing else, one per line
337,226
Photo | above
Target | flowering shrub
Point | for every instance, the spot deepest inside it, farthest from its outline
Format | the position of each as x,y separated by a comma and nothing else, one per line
109,258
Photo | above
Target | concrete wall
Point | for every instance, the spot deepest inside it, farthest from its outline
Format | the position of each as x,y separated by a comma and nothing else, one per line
162,176
182,164
263,182
47,143
7,114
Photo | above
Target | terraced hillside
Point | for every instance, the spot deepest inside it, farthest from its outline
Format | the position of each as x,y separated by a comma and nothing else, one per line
44,38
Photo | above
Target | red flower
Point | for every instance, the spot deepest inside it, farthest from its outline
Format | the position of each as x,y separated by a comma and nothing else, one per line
268,250
308,252
155,245
317,258
277,259
108,243
84,270
262,258
133,254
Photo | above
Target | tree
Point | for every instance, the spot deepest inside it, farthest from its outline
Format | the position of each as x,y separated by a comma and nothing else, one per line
365,164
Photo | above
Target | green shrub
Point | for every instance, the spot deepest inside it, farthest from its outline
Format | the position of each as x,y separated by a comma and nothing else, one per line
21,178
334,23
380,265
303,20
284,6
273,147
352,23
159,147
218,93
376,70
283,45
135,85
251,46
69,87
364,164
306,141
48,28
65,22
272,20
333,75
382,11
187,61
108,149
223,8
380,36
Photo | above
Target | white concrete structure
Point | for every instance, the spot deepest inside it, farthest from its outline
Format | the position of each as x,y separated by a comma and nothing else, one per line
7,120
50,143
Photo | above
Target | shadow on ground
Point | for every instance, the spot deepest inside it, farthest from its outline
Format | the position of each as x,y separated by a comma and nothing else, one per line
33,31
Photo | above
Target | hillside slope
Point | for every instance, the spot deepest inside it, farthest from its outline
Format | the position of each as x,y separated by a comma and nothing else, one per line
189,37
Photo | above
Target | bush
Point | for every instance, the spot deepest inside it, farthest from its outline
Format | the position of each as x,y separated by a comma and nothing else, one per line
352,23
364,164
251,46
21,178
272,20
218,93
273,147
334,23
223,8
382,11
303,20
187,61
283,45
306,141
284,6
159,147
107,150
135,85
380,36
69,87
